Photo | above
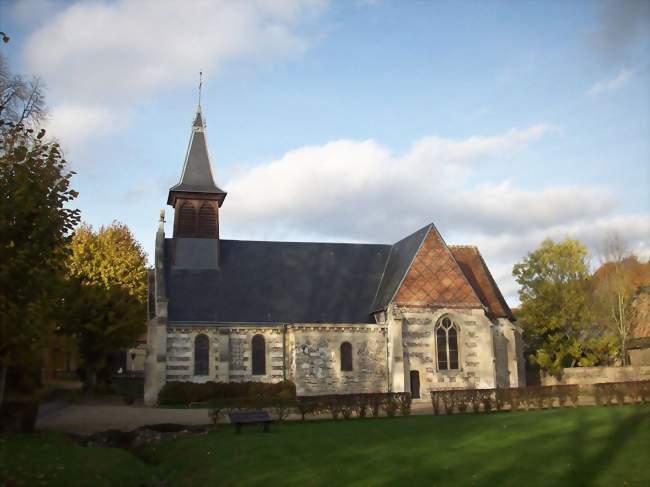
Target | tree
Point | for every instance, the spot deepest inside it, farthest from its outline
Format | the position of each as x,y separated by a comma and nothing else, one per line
554,296
614,284
104,306
22,102
35,224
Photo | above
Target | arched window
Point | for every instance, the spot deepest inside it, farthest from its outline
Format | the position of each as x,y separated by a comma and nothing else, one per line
259,355
207,220
346,357
201,355
186,219
447,344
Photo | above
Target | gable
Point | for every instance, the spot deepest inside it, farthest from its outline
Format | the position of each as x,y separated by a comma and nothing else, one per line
401,256
435,279
475,269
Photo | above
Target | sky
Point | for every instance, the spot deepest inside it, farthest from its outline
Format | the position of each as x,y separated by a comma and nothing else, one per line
504,123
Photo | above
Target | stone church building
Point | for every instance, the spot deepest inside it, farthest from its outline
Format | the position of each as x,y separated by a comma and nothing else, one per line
334,318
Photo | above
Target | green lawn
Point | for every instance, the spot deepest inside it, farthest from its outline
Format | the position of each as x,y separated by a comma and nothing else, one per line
586,446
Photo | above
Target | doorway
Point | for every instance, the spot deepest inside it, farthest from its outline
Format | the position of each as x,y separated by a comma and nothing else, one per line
415,384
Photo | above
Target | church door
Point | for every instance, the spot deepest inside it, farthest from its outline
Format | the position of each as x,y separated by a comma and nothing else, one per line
415,384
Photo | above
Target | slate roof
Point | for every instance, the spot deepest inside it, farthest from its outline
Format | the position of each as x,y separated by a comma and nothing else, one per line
279,282
197,173
297,282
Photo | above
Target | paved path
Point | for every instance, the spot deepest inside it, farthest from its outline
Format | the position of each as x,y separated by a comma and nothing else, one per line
90,418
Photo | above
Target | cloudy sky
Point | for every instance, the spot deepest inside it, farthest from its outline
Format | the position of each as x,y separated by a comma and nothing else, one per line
501,122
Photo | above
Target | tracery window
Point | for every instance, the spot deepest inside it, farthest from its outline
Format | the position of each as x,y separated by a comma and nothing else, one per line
201,355
259,355
346,357
447,344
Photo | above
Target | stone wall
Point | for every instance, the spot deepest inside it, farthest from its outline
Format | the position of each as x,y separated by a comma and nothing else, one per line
475,349
595,375
230,353
316,360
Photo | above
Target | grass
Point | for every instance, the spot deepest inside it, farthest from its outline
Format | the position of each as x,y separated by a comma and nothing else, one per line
53,460
585,446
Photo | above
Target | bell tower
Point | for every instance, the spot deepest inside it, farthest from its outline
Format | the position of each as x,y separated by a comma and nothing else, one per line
196,200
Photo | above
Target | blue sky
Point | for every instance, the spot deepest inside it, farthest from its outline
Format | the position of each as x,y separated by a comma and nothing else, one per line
501,122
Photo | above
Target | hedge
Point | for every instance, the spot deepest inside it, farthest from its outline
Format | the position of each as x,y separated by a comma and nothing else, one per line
186,393
535,397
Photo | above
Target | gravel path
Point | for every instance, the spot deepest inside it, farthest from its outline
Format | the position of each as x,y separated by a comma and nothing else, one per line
91,418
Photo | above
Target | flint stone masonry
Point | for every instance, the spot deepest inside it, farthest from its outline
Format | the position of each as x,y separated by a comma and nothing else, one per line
317,358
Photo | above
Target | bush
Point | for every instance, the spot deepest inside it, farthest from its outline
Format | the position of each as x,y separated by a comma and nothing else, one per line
435,402
18,416
175,393
404,400
390,406
131,388
376,403
362,403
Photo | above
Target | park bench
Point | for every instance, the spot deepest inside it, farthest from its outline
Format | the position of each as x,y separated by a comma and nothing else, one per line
250,417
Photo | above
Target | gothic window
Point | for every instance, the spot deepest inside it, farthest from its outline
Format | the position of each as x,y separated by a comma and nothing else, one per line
259,355
186,219
346,357
447,344
207,220
201,355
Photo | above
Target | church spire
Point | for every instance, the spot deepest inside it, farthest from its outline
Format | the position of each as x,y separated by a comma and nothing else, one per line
197,180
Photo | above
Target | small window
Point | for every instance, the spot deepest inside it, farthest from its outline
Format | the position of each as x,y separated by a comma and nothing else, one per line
346,357
201,355
447,344
259,355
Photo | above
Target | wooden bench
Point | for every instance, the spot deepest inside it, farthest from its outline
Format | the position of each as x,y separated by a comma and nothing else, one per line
251,417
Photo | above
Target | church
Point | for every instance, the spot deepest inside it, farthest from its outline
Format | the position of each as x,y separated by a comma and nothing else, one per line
334,318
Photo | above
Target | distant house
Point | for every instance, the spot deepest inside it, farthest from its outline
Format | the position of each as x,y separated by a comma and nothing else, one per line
332,317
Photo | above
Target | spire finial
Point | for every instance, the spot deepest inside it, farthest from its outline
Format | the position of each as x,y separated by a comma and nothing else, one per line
200,85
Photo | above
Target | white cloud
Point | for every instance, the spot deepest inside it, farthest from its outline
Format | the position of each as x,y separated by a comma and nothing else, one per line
349,190
606,85
101,55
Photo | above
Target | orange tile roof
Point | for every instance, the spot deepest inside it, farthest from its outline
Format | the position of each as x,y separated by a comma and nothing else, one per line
435,278
471,262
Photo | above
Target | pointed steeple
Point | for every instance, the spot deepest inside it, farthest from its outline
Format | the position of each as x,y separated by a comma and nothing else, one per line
196,180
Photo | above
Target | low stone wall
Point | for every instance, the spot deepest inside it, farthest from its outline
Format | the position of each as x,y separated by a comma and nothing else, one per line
594,375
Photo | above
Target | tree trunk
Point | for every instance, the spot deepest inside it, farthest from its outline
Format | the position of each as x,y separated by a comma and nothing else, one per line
91,379
3,378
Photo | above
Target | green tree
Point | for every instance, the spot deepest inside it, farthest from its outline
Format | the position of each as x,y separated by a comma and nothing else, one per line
35,222
104,306
555,312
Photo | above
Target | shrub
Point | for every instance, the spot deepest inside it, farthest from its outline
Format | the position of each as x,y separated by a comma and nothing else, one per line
376,402
486,400
435,402
362,403
390,406
306,405
174,393
404,400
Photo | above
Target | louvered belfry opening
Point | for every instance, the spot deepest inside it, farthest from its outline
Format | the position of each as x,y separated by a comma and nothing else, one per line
186,220
207,220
